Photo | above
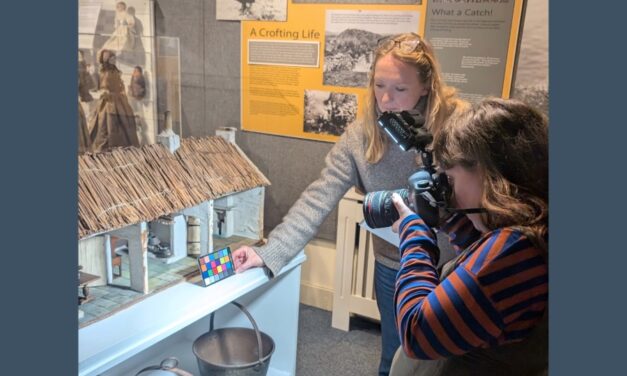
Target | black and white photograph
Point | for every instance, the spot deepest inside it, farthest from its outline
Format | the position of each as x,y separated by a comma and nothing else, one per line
389,2
121,25
116,71
328,112
350,38
260,10
348,56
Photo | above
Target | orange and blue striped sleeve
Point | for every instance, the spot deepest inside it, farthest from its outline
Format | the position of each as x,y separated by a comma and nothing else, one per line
460,231
496,295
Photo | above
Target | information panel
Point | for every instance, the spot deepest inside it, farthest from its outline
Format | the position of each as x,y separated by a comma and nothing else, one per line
475,42
307,77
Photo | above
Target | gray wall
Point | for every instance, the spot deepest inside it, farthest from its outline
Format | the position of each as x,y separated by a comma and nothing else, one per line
210,80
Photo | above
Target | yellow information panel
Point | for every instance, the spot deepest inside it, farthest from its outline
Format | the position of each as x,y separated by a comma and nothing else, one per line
307,77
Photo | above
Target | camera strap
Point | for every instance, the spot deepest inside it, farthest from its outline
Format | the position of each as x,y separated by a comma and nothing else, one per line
467,211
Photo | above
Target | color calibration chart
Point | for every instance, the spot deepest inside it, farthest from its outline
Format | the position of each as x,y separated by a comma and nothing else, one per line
216,266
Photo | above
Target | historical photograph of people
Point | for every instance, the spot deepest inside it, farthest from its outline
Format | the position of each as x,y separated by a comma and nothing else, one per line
328,112
351,36
261,10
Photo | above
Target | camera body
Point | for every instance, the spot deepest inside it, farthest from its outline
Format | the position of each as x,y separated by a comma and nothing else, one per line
427,191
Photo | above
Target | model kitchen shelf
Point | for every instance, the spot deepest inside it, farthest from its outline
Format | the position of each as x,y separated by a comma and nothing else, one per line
166,323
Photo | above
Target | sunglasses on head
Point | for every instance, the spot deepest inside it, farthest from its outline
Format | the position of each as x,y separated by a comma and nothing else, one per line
406,46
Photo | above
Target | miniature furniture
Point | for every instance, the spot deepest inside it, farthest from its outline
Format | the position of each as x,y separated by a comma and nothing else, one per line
166,324
353,290
83,284
127,192
116,259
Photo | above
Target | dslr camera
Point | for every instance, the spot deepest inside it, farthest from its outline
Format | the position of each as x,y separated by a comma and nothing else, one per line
427,190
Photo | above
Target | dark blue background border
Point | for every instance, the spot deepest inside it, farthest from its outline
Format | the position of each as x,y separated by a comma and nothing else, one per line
38,187
588,133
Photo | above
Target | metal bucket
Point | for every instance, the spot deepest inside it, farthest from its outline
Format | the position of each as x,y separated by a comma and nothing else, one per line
234,351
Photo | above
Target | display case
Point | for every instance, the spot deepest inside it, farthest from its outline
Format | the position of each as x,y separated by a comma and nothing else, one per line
146,213
167,323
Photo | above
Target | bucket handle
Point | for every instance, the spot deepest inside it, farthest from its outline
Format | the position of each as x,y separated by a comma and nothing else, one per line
167,364
252,321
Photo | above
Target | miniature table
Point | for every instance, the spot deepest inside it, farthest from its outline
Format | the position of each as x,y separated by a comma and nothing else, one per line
83,281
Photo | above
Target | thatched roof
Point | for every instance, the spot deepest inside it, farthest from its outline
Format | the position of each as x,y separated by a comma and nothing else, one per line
125,186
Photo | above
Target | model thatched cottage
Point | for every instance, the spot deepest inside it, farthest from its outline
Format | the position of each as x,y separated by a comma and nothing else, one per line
130,193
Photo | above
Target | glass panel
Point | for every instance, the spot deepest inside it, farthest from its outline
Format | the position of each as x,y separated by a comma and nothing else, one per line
169,85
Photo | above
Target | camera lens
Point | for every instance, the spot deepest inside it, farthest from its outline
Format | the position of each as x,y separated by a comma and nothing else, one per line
379,210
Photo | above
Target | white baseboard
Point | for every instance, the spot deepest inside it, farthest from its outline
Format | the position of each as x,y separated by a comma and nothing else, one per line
316,296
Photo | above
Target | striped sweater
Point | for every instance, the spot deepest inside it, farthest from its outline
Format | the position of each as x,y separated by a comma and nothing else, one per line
496,294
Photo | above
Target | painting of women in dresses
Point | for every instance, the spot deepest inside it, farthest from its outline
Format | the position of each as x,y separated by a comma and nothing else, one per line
137,87
85,83
113,124
124,34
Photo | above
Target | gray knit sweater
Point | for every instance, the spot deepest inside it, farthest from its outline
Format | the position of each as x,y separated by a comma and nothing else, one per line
346,166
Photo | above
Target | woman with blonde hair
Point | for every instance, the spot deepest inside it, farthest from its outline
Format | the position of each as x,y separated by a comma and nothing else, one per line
436,103
404,76
485,313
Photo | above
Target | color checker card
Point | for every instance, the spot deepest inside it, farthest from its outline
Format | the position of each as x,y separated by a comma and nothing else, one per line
216,266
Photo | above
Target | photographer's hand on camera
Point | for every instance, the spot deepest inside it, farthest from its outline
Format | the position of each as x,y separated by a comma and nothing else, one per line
404,211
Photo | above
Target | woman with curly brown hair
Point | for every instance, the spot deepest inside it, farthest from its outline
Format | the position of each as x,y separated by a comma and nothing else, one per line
486,312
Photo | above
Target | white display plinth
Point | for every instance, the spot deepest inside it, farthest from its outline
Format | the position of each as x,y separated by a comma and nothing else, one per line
167,323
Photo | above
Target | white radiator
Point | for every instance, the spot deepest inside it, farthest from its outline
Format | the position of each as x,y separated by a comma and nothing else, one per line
354,265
